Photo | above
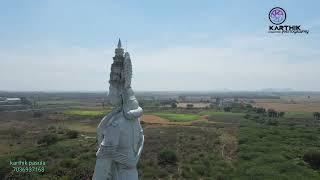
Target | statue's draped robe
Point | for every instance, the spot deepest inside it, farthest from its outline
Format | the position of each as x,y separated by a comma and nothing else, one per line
120,137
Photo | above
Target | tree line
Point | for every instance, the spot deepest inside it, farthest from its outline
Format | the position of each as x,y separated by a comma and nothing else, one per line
270,112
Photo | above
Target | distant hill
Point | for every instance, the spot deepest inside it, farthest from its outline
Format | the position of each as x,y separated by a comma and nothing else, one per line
277,90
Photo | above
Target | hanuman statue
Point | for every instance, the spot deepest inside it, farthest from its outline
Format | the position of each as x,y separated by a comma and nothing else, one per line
120,135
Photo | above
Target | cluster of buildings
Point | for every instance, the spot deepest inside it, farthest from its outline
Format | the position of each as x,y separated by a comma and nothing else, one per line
196,101
218,101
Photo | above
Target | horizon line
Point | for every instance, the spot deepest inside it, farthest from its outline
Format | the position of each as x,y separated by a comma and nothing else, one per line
207,91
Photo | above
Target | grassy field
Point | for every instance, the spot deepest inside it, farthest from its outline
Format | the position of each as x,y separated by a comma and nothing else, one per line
177,117
88,113
299,115
227,117
59,102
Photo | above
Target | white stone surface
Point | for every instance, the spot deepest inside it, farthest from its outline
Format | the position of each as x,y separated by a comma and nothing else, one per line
120,135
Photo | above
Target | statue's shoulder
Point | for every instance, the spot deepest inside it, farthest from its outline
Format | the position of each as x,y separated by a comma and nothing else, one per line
109,119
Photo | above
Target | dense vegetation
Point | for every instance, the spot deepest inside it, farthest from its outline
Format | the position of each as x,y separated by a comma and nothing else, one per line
242,143
66,157
269,151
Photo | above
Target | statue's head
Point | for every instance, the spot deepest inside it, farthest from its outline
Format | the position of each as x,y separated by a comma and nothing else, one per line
120,80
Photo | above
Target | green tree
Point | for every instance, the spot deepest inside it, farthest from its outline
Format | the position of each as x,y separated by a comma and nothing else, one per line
167,156
72,134
312,158
189,106
227,109
174,105
281,114
48,139
316,115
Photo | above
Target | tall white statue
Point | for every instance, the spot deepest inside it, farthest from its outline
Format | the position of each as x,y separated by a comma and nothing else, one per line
120,135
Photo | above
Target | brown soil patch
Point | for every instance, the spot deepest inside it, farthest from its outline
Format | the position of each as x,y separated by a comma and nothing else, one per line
289,106
154,119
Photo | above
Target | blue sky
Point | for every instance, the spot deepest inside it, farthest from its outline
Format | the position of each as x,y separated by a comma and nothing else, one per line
212,45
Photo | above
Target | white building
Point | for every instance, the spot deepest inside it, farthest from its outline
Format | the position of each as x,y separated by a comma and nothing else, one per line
225,102
8,101
13,100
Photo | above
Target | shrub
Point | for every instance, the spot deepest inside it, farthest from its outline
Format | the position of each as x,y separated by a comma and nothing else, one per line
247,116
37,114
272,122
48,139
167,156
312,158
174,105
260,110
60,131
249,106
227,109
52,128
68,163
200,169
72,134
189,106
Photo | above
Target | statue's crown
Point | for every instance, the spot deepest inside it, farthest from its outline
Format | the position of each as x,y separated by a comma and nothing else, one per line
121,68
119,51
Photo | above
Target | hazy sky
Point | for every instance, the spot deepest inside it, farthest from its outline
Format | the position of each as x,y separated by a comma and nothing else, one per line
174,45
